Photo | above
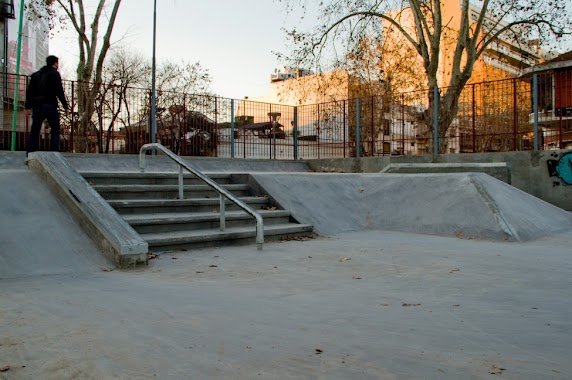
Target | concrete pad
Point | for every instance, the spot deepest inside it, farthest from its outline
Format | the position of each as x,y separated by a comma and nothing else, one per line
459,204
38,236
403,306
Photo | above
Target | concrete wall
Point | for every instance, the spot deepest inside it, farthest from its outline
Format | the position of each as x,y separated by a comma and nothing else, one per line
529,170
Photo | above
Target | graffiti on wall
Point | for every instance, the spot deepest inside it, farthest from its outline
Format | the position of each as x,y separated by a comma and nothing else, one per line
561,167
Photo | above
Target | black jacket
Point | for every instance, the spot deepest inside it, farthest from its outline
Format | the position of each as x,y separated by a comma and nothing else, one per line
45,87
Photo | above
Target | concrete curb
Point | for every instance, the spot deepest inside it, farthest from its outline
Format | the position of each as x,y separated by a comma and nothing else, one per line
117,239
498,170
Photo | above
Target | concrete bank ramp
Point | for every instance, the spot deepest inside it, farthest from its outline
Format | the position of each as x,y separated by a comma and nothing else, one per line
38,236
468,205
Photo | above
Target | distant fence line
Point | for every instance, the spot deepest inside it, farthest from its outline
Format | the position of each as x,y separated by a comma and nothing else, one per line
506,115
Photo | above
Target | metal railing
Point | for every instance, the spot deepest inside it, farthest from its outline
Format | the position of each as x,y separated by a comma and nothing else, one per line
224,193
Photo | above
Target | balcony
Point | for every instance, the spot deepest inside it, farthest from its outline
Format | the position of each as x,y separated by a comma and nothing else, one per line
551,118
7,9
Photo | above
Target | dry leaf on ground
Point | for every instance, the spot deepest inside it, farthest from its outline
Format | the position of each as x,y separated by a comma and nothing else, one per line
344,259
496,370
410,304
4,369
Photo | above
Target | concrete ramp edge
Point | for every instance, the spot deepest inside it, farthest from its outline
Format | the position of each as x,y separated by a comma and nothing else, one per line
117,239
494,208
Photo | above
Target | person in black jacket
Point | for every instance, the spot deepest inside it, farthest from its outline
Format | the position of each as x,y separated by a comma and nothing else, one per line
44,90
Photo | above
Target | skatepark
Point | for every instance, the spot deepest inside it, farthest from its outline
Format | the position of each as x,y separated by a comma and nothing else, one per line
448,275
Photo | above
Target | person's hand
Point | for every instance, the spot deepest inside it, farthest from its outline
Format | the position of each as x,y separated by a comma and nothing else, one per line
28,112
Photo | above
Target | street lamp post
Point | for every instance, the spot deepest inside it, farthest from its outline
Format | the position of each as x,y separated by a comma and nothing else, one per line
17,84
153,74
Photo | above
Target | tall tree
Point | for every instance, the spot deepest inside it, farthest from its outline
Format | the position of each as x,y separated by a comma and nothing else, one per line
429,28
92,49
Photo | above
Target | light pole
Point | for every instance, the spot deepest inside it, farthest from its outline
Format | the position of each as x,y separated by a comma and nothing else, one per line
153,74
17,84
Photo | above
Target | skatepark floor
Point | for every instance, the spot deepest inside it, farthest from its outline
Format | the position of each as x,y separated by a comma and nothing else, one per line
359,305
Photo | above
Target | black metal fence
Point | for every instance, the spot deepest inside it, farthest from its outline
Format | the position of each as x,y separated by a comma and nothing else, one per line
507,115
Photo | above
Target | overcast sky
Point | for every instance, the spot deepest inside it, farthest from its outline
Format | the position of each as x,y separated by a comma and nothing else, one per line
234,39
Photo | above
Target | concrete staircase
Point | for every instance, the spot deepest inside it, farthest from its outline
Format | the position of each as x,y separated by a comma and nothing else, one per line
149,203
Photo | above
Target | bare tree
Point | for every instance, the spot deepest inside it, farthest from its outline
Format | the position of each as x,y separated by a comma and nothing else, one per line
124,96
91,55
124,71
429,29
183,94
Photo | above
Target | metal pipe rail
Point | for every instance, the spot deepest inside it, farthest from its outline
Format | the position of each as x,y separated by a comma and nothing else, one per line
224,193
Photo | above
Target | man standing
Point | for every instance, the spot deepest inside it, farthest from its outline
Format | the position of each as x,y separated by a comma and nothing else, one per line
42,94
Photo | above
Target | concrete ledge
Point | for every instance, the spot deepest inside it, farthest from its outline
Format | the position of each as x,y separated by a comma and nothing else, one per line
117,239
498,170
161,163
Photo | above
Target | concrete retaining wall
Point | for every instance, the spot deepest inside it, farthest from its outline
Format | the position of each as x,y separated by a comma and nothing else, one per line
529,170
117,239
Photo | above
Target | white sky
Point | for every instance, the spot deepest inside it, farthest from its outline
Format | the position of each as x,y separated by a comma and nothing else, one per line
233,39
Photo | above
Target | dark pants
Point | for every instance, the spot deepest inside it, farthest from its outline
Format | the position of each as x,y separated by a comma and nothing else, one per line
40,113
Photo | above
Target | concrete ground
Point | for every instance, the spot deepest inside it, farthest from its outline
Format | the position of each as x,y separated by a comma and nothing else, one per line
377,305
359,305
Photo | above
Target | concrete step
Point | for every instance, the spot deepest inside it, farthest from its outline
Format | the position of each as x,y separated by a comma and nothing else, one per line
150,206
149,178
213,238
170,222
123,192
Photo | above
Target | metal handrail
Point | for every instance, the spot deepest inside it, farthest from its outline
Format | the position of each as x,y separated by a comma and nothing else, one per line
224,193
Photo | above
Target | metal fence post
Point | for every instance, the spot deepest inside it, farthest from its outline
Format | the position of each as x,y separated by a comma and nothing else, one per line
318,130
535,108
232,127
216,135
270,135
344,127
295,133
402,124
435,120
515,114
72,116
372,153
474,121
358,137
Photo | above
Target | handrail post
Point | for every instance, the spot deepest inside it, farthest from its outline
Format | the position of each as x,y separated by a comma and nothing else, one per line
222,213
259,232
181,196
142,160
